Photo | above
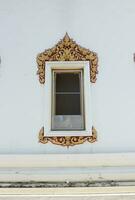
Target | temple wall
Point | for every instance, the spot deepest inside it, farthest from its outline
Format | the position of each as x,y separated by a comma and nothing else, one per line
27,28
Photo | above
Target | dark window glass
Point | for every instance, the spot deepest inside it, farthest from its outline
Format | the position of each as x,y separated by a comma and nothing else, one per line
67,94
67,82
67,104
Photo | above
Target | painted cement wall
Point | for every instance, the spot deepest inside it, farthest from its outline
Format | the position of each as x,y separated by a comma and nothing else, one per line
27,28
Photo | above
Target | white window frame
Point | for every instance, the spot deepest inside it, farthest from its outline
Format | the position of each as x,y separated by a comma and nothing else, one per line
47,93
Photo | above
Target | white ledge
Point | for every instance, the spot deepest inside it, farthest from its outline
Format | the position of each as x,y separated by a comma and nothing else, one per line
67,167
68,160
91,191
67,174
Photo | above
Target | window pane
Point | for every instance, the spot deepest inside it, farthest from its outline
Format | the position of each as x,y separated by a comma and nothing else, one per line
67,122
67,104
67,82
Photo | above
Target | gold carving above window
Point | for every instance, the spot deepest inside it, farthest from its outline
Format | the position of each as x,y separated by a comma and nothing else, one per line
67,50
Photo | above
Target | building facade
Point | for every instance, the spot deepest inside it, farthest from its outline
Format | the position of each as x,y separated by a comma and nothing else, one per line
27,29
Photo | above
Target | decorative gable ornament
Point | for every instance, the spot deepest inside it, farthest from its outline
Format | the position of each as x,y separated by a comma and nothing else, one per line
67,50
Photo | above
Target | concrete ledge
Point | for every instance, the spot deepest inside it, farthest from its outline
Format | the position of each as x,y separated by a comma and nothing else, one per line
95,191
69,167
67,174
68,160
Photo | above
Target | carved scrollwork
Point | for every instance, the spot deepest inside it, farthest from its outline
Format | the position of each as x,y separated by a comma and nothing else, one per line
67,50
67,141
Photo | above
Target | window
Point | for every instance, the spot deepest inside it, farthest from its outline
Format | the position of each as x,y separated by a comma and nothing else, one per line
67,100
66,72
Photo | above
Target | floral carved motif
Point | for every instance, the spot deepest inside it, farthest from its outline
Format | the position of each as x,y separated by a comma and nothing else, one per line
67,141
67,50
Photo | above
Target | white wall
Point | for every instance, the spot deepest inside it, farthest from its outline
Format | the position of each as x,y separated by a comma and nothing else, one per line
27,27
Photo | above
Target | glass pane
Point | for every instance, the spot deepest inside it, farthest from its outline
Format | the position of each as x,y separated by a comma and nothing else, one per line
67,82
67,104
67,122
